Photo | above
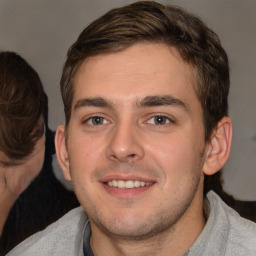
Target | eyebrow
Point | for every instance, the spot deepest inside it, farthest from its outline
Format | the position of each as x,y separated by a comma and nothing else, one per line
165,100
92,102
149,101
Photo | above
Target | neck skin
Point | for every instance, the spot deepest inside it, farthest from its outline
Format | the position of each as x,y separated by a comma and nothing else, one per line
176,241
7,200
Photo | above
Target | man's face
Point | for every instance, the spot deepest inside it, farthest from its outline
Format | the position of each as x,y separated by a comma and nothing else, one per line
18,177
136,141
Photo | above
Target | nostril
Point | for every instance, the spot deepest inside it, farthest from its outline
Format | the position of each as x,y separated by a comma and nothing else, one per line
132,155
124,158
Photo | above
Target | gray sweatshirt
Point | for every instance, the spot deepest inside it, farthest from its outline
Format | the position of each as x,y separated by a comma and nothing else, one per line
225,233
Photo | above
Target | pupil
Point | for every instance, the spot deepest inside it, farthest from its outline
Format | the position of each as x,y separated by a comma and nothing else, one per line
97,120
159,120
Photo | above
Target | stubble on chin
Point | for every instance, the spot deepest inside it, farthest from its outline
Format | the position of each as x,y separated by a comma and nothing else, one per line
129,228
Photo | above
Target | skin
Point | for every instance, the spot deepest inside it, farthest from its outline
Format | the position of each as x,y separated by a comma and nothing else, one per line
15,179
135,116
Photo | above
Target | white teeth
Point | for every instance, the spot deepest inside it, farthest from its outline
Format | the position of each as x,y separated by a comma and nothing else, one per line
114,183
128,184
136,183
121,184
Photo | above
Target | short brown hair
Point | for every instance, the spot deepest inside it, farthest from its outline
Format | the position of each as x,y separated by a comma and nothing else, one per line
22,102
148,21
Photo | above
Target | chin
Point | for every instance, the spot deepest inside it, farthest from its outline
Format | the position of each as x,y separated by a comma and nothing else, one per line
132,227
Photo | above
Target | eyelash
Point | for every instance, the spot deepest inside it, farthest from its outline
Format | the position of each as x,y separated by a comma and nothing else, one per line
89,121
167,120
102,120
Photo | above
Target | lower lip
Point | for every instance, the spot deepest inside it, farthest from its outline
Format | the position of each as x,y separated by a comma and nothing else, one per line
126,192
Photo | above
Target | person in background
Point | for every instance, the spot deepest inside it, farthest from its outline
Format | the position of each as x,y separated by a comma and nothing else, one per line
31,197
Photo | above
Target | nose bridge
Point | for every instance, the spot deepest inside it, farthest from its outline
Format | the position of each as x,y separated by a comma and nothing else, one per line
124,142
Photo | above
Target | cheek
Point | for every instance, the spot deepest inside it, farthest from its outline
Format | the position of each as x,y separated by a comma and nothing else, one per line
85,153
177,155
168,151
38,163
27,173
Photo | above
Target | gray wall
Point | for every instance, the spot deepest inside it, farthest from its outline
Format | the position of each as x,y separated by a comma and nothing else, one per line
42,30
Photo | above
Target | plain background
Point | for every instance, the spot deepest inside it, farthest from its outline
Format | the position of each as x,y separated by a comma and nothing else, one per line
42,30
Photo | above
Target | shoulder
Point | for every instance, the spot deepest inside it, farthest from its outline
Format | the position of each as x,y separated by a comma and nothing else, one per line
239,233
63,237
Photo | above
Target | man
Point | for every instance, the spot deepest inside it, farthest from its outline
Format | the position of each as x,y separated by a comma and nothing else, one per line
31,197
145,94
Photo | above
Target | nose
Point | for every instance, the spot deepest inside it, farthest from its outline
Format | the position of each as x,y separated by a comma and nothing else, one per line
125,144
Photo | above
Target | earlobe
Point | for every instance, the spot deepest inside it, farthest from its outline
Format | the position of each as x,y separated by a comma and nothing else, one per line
219,147
61,151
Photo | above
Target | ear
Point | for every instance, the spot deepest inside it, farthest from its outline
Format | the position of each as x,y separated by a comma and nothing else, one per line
61,151
218,148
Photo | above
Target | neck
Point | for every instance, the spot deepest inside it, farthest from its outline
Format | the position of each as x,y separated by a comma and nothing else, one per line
175,241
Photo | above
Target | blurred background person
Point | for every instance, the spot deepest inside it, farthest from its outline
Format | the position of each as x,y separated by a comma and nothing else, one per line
30,195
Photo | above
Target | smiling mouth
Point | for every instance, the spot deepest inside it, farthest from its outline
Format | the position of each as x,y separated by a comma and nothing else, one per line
128,184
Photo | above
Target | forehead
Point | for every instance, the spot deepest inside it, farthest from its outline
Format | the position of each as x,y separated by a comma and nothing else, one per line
138,71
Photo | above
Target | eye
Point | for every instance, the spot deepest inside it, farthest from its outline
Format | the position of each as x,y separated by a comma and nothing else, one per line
159,120
96,120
